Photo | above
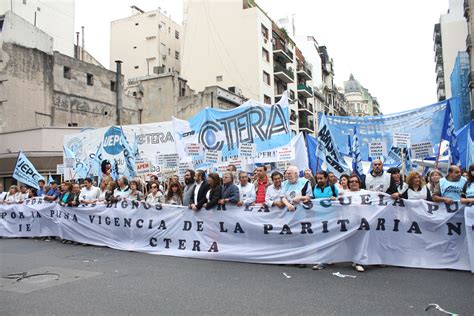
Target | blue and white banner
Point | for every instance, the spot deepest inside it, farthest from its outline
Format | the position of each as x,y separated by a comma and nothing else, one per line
328,150
363,227
25,172
424,125
266,126
119,145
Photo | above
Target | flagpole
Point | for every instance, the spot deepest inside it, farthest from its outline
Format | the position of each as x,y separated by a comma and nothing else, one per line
439,152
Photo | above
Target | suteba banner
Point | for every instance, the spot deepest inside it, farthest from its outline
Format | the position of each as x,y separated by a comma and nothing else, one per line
363,227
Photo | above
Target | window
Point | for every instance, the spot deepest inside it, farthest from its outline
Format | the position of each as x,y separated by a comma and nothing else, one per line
113,86
169,51
136,24
265,55
266,77
176,34
162,26
176,55
67,72
150,37
219,78
134,47
90,79
267,99
264,32
169,29
136,67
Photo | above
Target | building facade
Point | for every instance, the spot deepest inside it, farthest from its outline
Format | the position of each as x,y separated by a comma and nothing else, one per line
147,43
359,100
468,11
55,18
449,38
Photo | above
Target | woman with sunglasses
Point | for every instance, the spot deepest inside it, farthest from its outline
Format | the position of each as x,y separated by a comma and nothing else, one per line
155,196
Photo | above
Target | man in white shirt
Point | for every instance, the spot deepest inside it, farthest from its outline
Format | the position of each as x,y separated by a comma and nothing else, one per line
123,191
274,194
377,180
246,190
89,193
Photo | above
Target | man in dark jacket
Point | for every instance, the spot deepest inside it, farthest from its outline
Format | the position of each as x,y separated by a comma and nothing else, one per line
230,192
200,190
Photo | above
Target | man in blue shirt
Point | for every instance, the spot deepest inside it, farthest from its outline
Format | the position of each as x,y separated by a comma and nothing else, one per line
41,191
53,193
295,190
323,189
449,189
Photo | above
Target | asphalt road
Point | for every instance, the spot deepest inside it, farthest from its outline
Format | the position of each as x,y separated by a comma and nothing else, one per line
95,281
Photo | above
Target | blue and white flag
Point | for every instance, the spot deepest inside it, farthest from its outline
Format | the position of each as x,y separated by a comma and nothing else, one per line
328,151
129,157
136,151
80,168
50,178
313,161
25,172
448,134
356,157
114,170
95,163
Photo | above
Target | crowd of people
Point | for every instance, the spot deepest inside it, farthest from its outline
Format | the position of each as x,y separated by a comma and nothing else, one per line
199,190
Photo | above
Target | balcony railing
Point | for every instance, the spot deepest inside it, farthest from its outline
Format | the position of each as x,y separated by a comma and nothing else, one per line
304,71
284,74
305,90
282,51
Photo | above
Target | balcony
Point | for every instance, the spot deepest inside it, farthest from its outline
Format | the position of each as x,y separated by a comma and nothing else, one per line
441,95
304,71
468,42
306,124
438,49
283,53
305,91
439,74
304,108
293,117
285,75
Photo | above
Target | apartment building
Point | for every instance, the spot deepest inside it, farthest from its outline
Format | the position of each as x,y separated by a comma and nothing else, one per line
55,18
147,43
236,45
449,38
468,7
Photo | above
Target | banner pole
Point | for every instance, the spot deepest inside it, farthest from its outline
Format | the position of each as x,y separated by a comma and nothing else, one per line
439,153
403,165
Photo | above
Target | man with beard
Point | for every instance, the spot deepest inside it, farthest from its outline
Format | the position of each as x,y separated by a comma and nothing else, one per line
449,189
189,186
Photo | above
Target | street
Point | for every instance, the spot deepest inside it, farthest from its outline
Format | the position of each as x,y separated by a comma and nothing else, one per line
83,280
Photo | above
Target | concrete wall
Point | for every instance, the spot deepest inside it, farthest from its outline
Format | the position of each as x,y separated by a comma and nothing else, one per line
136,40
55,18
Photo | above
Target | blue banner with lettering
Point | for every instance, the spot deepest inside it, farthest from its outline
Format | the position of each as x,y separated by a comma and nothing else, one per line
423,124
265,125
25,172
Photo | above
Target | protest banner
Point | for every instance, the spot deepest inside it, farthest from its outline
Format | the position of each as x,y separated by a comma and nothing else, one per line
194,150
167,161
422,150
364,227
212,156
267,126
285,154
423,124
25,172
377,149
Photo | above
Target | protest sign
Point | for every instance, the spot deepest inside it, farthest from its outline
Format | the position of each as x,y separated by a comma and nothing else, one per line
364,227
401,140
143,167
377,149
212,156
422,150
285,154
194,149
247,150
167,161
60,169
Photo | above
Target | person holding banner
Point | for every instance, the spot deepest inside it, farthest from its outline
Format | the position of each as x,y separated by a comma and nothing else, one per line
433,180
75,196
324,189
174,195
246,190
214,194
230,192
296,190
397,182
450,188
416,190
377,180
53,193
41,190
154,197
123,190
23,193
67,195
188,187
467,195
89,193
13,196
200,191
274,195
261,184
135,194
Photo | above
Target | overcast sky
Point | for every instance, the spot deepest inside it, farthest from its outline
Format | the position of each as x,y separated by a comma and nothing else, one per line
387,45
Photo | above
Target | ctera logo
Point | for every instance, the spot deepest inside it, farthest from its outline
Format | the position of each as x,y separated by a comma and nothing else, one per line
111,143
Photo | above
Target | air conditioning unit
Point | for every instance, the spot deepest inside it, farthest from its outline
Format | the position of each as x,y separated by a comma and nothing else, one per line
235,90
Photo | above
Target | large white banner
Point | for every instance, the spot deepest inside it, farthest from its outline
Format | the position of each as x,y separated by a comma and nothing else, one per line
362,227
